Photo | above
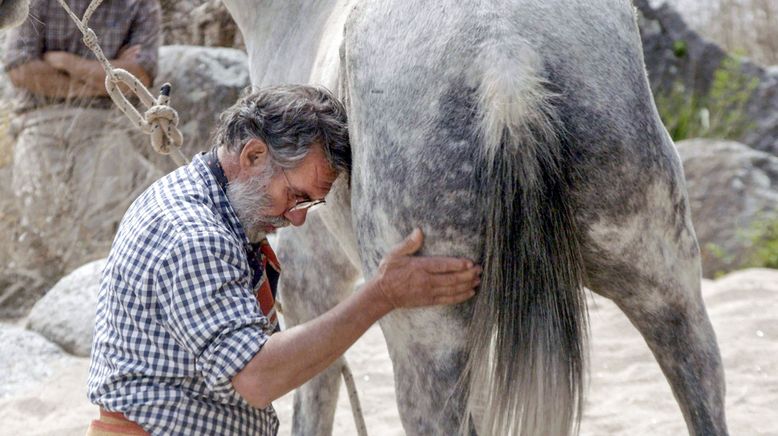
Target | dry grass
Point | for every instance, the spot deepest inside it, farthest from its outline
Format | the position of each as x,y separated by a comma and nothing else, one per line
6,143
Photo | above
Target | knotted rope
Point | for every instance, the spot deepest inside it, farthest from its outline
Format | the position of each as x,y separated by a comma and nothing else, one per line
160,121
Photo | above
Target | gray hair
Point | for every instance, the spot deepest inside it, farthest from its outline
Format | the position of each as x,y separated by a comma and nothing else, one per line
289,119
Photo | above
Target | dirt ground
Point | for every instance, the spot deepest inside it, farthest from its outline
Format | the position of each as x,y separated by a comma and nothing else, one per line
628,394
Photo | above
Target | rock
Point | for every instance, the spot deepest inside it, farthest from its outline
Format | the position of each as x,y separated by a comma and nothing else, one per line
733,190
66,314
763,280
205,82
743,101
25,358
199,22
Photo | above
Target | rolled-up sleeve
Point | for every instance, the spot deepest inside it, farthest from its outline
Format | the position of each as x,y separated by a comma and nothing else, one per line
25,43
210,308
146,31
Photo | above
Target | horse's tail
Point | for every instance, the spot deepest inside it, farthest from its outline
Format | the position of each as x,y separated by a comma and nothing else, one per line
527,336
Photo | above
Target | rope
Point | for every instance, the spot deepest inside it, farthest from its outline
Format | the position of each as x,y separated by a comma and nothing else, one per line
353,396
351,387
160,121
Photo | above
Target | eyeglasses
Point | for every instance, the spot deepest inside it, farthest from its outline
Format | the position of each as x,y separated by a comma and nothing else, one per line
301,204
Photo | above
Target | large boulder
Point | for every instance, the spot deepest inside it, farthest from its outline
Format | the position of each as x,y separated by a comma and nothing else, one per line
733,192
66,314
205,82
694,79
25,358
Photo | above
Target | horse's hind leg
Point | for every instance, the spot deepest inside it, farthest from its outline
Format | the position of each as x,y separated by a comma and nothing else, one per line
316,276
651,270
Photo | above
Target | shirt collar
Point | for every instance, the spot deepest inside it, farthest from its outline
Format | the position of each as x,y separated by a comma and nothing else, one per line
209,167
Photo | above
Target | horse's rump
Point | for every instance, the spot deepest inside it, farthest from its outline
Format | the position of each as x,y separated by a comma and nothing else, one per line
457,132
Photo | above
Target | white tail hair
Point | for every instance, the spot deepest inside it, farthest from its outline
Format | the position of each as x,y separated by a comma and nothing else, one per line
525,366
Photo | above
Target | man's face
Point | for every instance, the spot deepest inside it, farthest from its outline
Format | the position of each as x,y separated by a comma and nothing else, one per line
262,196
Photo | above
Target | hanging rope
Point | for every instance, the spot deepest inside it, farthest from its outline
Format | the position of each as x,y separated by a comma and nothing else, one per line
160,121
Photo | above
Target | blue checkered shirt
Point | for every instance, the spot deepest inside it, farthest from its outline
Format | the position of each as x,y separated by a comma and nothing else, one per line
176,315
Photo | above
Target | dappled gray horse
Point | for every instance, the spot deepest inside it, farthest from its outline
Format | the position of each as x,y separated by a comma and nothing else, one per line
519,133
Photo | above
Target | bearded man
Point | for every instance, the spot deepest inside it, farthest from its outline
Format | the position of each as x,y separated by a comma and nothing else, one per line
186,340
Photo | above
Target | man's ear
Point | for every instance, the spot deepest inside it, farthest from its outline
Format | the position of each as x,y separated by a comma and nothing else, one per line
254,153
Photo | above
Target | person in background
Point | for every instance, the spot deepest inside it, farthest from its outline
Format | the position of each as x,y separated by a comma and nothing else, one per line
75,162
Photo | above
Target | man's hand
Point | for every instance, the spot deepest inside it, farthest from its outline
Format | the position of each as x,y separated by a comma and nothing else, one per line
81,71
405,280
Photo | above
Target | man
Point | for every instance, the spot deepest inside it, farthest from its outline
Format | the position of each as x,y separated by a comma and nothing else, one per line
182,340
75,164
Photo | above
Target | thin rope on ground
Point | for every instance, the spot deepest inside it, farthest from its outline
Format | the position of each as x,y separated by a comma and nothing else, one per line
353,396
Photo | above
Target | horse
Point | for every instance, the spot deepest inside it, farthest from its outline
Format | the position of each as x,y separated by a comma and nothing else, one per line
13,12
522,134
519,133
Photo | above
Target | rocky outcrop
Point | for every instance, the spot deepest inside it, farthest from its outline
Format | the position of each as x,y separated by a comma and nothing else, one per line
66,314
740,95
205,82
733,193
199,22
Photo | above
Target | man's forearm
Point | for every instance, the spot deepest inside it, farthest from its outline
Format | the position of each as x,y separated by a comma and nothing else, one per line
40,78
291,357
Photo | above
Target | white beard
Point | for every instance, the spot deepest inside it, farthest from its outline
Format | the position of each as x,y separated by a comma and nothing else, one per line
249,199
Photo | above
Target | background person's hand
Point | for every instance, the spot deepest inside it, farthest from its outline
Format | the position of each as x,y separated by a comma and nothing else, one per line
60,60
129,53
405,280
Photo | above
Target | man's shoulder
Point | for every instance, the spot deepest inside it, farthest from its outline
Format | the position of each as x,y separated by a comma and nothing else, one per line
188,199
175,220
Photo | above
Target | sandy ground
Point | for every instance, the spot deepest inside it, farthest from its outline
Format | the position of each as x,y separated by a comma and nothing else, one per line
627,396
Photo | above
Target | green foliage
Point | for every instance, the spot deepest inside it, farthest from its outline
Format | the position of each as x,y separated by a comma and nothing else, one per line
765,243
719,114
680,48
762,236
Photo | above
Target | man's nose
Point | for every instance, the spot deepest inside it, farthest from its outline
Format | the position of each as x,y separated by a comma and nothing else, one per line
297,217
